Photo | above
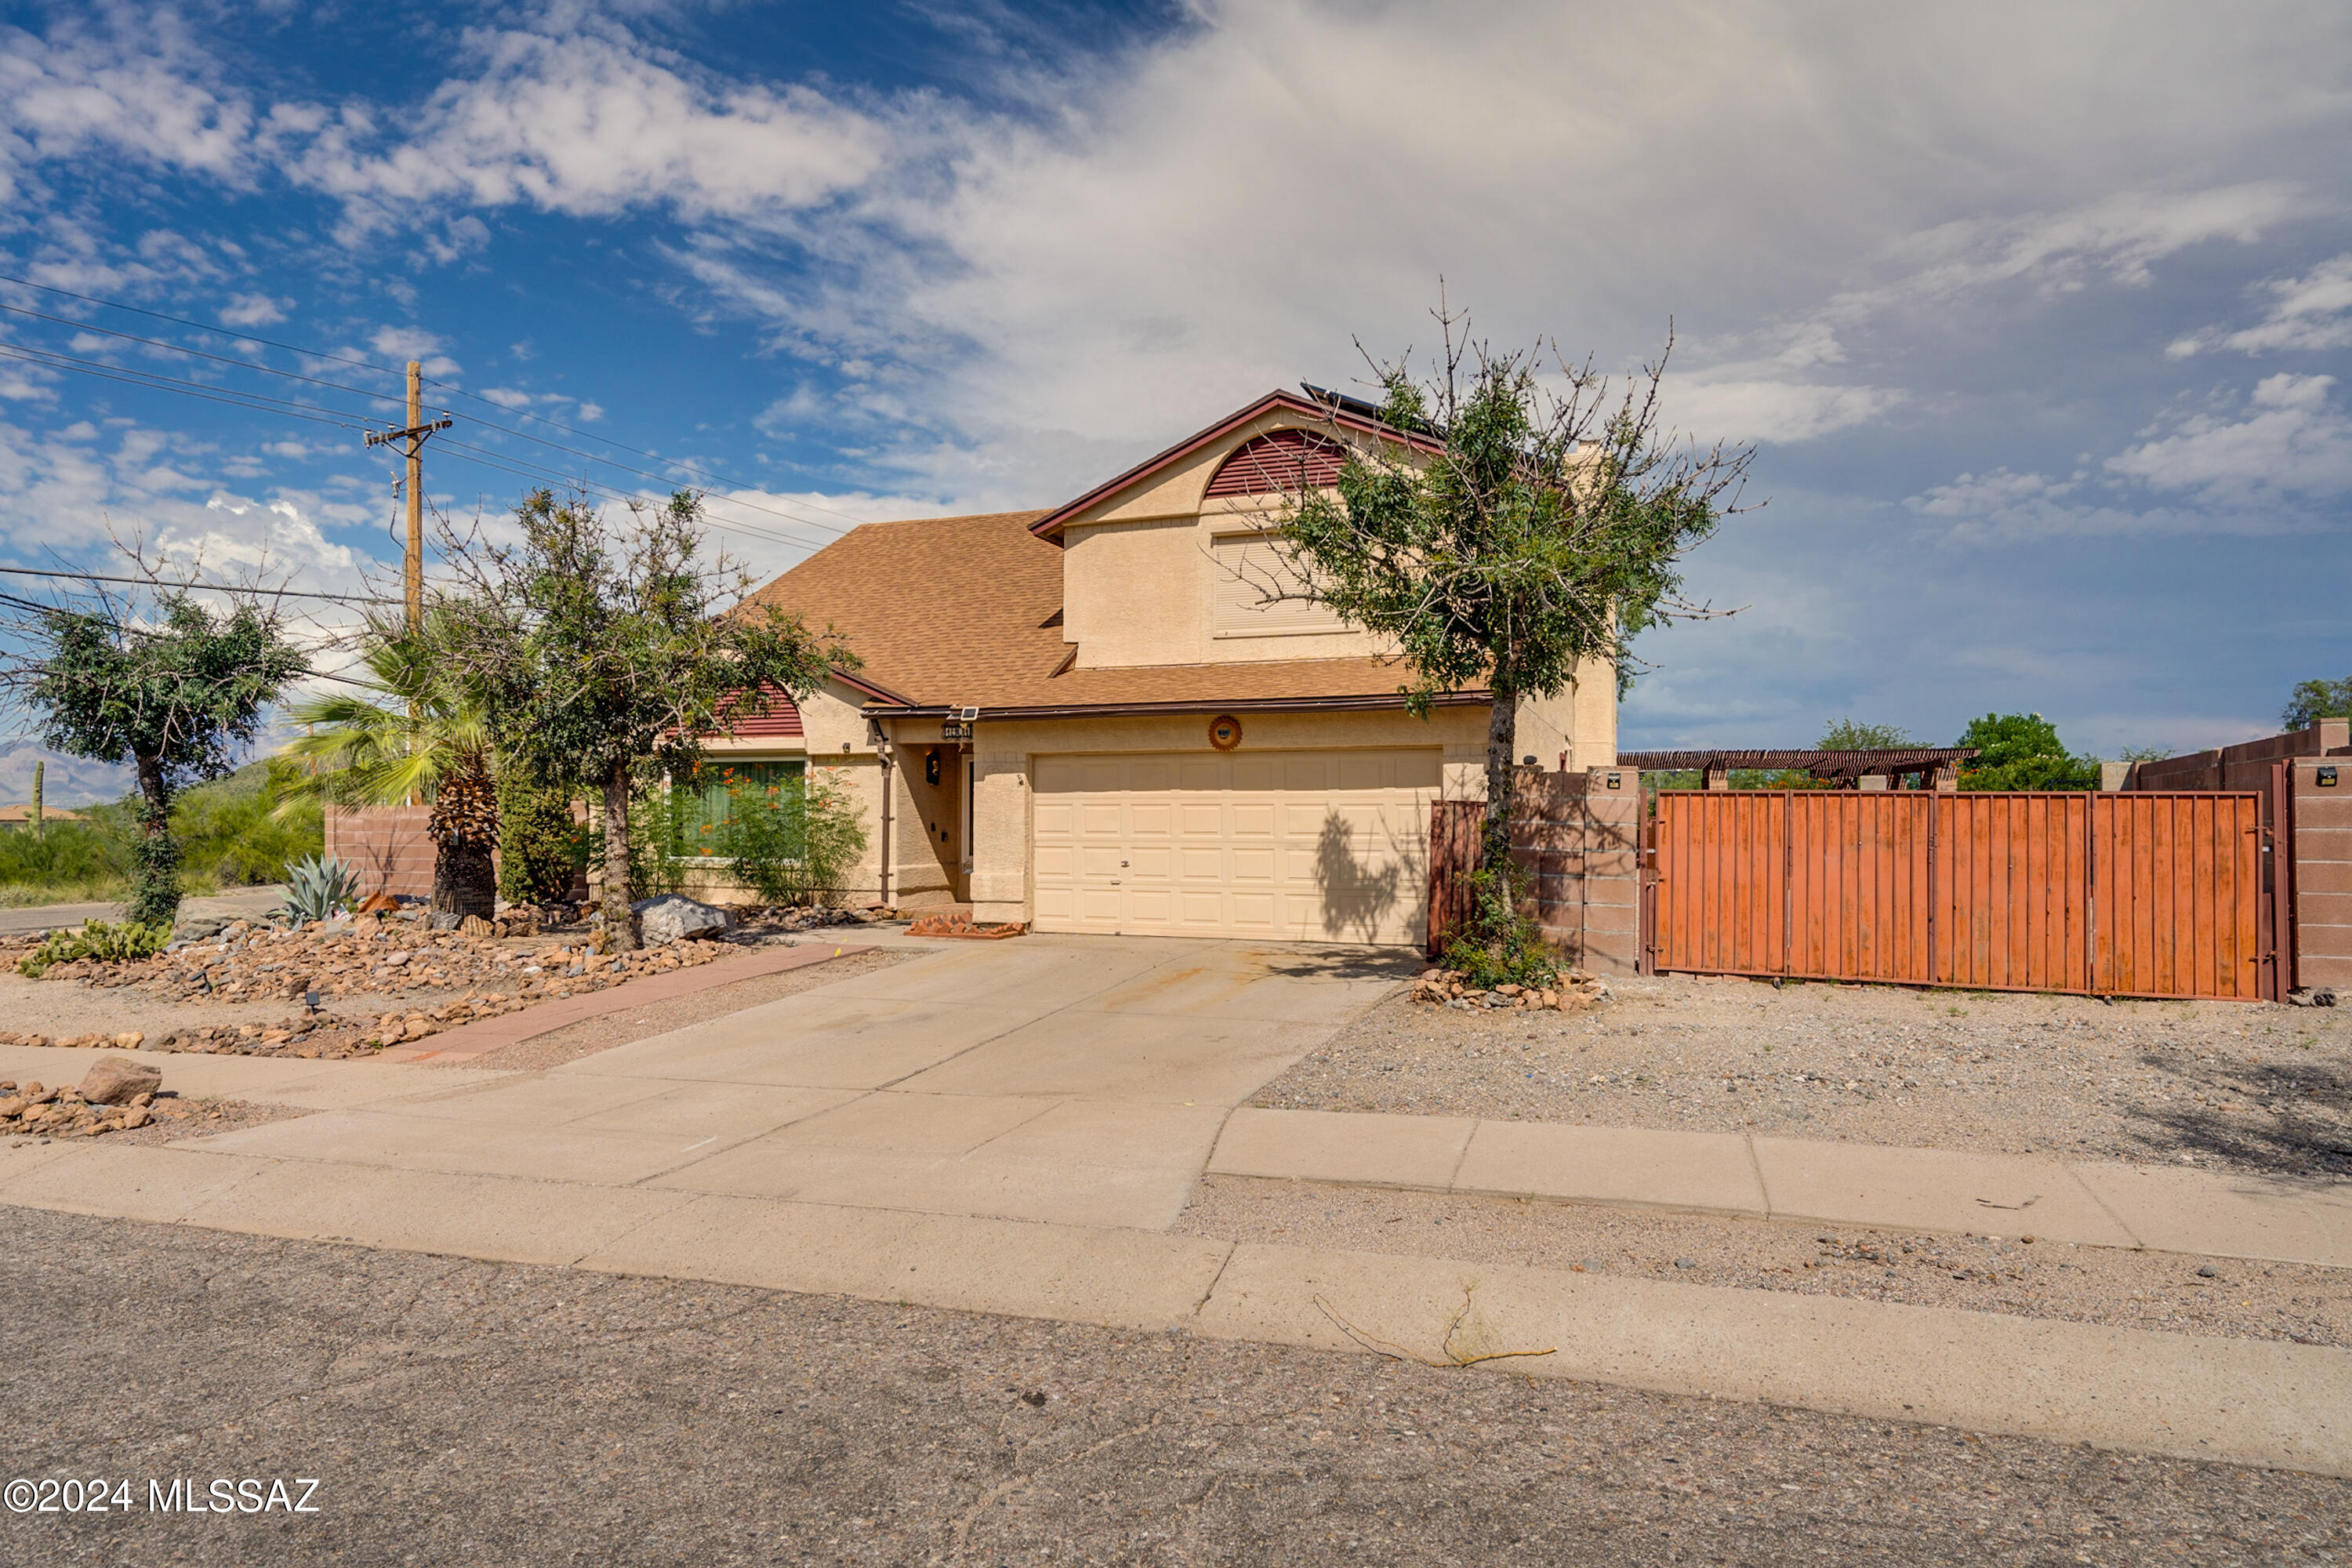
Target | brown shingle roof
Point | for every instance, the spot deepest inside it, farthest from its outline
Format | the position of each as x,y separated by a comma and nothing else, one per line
938,606
966,611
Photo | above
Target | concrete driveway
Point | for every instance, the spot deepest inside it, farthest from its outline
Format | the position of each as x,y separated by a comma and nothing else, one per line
1081,1080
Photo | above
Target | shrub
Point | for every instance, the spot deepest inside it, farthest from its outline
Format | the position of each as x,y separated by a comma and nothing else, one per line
541,849
232,834
120,943
1500,943
67,862
795,842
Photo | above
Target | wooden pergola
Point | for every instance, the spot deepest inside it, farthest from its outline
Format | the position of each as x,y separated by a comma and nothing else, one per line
1935,767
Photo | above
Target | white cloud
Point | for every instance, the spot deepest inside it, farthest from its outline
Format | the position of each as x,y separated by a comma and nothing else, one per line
2294,437
2003,508
157,99
2313,312
1770,412
254,310
591,123
413,342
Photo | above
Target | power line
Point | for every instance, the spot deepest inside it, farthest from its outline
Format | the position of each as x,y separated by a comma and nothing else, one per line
384,370
214,587
626,495
232,398
523,469
376,396
58,359
640,451
197,354
200,326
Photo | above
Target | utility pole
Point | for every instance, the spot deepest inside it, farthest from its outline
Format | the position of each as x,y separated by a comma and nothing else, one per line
412,569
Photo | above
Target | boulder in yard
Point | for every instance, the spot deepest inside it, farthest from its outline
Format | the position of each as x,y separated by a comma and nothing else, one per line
117,1081
674,916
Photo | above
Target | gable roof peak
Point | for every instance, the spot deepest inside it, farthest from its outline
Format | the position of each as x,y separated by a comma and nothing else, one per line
1328,409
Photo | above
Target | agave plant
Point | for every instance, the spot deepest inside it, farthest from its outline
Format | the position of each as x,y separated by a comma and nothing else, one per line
318,890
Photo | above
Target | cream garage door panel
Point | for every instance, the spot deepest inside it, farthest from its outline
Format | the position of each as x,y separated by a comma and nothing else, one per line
1299,846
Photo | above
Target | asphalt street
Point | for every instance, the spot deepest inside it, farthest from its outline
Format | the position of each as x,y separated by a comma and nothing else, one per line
455,1411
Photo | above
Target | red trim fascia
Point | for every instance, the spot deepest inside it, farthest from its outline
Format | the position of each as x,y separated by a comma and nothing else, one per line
882,693
1053,522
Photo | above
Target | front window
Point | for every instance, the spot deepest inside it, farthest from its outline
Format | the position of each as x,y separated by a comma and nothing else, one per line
725,809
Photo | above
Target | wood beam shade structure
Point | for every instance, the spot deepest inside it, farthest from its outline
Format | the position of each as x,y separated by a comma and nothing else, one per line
412,439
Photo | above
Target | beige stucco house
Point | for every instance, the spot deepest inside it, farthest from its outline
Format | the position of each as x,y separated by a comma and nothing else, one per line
1086,719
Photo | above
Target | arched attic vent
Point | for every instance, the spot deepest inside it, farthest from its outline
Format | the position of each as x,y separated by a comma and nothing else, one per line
1286,460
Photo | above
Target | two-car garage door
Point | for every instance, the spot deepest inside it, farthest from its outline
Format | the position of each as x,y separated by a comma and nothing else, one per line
1299,846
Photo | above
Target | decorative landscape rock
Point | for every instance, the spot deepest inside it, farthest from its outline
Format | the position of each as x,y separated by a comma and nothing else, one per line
674,916
118,1080
246,963
30,1109
1450,988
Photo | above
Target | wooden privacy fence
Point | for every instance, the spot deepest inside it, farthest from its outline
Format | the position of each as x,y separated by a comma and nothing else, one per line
2111,895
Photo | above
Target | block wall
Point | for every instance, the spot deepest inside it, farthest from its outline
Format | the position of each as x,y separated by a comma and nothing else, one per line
2323,874
1580,840
389,847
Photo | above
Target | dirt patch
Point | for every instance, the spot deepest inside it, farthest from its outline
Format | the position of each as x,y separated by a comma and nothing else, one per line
2156,1290
589,1035
2261,1088
165,1117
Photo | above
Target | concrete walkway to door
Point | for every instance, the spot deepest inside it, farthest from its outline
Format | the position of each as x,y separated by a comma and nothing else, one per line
1081,1080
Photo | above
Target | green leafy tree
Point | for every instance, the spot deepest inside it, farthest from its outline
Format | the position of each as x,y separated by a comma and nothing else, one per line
1853,735
604,651
175,692
1528,518
2022,751
2315,700
412,730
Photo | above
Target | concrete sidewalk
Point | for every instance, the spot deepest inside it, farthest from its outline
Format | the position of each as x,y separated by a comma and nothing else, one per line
2096,1203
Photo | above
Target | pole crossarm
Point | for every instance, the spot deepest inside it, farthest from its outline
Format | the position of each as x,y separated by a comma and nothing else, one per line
413,433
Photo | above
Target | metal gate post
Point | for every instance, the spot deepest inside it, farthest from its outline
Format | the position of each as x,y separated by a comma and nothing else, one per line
2279,968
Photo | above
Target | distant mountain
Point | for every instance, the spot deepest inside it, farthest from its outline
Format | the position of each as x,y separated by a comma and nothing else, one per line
69,780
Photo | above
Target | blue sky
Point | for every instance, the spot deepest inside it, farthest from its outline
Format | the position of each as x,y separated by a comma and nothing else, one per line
2041,316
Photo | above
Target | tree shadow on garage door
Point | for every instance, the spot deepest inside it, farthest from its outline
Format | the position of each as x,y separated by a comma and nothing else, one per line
1365,900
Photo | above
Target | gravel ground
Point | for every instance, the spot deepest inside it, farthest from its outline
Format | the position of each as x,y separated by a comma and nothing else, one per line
202,1118
458,1412
66,1007
589,1035
2162,1291
2256,1088
210,1115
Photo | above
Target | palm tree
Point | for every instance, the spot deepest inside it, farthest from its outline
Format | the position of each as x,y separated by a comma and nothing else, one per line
409,734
